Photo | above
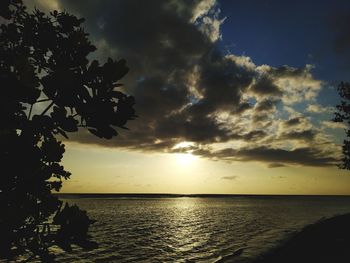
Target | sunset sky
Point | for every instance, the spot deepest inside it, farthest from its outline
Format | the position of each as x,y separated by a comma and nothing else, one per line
233,97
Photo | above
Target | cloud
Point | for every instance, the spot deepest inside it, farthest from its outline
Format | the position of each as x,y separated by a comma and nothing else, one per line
265,105
306,135
317,108
334,125
186,89
233,177
266,86
300,156
210,26
242,61
295,84
293,122
276,165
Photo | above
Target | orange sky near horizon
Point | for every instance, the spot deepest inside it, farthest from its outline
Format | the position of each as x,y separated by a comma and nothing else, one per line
97,169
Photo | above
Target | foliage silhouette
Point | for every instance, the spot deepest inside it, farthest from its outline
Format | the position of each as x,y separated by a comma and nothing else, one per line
343,115
49,88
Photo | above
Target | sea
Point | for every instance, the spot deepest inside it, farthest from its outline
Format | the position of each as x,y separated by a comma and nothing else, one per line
199,228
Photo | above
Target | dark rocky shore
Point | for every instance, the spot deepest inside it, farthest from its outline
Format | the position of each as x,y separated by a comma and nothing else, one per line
325,241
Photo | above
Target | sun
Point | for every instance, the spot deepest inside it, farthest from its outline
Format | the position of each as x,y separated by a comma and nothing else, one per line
184,156
185,159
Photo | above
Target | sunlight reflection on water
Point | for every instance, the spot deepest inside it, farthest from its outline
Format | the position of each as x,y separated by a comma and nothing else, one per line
195,229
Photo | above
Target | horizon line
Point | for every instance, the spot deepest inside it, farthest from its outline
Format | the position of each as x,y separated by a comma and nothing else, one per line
202,195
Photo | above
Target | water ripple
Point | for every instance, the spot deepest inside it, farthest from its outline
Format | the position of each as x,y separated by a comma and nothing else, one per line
194,229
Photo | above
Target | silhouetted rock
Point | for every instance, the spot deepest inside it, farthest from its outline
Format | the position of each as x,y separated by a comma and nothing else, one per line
325,241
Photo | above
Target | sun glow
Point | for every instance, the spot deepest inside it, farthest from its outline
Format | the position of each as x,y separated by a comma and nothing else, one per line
183,145
185,159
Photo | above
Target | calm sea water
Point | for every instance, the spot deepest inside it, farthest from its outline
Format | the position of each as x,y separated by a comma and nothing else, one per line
192,229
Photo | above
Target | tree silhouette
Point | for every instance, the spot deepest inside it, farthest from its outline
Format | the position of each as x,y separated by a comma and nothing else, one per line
48,88
343,115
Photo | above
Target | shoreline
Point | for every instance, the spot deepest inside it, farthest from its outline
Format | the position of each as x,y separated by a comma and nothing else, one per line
327,240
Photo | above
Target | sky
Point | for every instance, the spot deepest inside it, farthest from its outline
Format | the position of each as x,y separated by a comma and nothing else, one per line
232,97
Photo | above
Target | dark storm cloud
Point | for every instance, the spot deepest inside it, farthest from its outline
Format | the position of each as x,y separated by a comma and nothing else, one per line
306,135
250,136
197,128
301,156
243,107
265,86
260,117
293,121
287,71
274,157
164,48
157,33
181,82
222,83
266,105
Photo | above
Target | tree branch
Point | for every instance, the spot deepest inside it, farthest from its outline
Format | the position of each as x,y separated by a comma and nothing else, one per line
43,100
47,108
30,111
